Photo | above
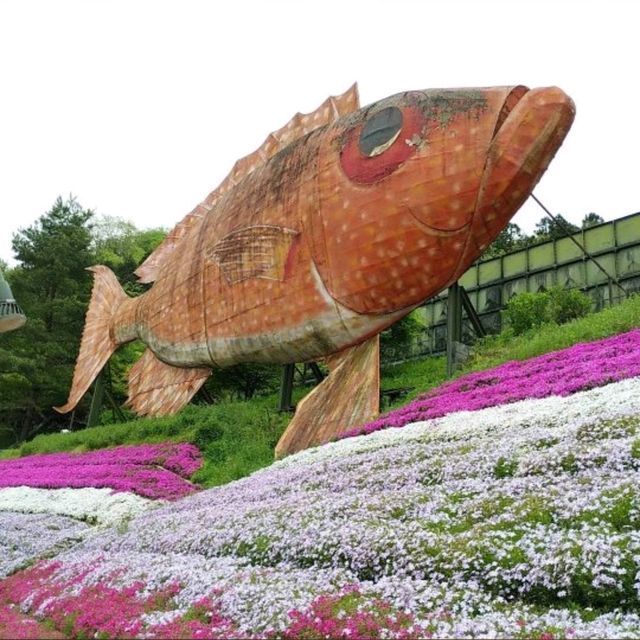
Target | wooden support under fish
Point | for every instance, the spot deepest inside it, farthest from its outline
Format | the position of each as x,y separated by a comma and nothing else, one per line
321,415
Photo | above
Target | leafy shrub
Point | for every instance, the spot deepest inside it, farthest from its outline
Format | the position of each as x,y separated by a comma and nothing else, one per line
397,340
567,304
526,311
559,305
206,434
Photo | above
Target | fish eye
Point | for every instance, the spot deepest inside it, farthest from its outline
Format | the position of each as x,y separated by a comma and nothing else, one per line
374,148
380,131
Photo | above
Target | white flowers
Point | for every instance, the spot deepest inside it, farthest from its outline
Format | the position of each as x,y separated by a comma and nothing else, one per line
102,507
28,537
36,523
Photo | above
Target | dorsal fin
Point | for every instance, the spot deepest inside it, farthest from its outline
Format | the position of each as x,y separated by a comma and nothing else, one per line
300,125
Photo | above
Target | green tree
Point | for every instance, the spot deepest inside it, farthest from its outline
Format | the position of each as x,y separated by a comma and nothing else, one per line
591,219
36,362
244,381
397,340
122,247
567,304
527,311
548,229
53,254
511,238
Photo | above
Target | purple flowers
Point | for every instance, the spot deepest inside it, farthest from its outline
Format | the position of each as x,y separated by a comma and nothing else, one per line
25,537
560,373
153,471
513,521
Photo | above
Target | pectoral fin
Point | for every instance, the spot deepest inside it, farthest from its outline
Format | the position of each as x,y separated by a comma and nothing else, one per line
157,388
261,251
347,397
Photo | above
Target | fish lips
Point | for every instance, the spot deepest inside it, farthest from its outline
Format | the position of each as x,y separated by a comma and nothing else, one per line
529,129
523,145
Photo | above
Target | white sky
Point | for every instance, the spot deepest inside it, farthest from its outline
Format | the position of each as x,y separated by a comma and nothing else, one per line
140,108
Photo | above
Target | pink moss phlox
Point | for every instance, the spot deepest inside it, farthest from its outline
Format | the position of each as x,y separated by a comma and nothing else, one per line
93,610
17,626
202,621
100,610
152,471
349,614
577,368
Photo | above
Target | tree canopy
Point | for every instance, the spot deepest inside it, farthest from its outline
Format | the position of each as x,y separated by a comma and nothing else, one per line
591,219
53,287
512,237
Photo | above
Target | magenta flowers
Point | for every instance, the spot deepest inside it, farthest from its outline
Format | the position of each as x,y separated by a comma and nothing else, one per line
560,373
152,471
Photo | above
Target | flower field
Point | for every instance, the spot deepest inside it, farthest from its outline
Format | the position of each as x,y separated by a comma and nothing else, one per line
562,373
51,502
516,519
152,471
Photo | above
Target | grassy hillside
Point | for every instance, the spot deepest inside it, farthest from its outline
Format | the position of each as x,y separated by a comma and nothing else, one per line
239,437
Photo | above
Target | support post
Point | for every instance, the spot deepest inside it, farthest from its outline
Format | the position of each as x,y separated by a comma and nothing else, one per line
114,406
286,387
316,372
472,314
610,283
454,324
96,401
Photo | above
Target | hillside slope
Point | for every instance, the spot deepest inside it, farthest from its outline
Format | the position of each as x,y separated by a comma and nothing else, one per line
513,520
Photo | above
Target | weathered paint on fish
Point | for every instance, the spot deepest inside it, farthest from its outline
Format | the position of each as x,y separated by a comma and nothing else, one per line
338,225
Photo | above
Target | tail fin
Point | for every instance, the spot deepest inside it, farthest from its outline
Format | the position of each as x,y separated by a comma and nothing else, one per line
98,342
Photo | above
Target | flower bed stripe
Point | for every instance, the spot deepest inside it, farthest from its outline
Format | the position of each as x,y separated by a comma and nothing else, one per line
26,537
102,507
582,366
152,471
18,627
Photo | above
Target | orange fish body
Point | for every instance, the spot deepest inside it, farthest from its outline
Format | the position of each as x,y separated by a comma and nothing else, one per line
342,222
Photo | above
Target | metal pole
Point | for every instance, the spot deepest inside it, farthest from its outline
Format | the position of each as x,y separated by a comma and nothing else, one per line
286,387
114,406
96,401
316,371
454,324
473,316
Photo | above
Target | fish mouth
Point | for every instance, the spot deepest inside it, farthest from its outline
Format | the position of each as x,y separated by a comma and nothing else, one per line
515,95
530,129
503,101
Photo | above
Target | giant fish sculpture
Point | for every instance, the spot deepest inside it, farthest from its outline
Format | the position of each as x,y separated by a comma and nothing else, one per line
341,223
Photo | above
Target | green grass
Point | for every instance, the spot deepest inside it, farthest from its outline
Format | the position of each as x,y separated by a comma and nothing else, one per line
495,350
419,375
236,437
239,437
